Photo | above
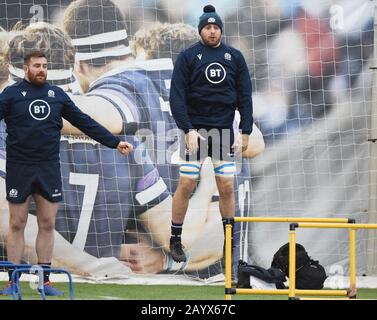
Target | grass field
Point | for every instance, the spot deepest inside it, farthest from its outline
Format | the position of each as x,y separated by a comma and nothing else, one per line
85,291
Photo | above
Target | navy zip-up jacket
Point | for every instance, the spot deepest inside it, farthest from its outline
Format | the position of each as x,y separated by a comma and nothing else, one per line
33,115
208,85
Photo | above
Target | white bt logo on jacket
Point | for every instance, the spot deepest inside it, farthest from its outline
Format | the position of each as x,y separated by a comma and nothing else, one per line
39,109
215,73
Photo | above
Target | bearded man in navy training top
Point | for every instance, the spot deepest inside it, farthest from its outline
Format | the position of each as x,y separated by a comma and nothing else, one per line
33,112
210,82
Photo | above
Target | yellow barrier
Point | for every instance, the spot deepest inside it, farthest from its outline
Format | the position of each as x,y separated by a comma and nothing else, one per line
299,292
291,293
292,219
292,264
338,225
352,244
228,260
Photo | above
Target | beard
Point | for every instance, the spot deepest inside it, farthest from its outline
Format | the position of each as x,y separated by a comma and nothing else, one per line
38,79
211,42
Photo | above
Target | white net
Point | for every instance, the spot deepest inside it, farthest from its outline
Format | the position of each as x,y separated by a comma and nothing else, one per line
312,99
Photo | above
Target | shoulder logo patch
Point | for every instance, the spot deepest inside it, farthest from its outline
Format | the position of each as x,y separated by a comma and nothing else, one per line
23,93
199,56
51,93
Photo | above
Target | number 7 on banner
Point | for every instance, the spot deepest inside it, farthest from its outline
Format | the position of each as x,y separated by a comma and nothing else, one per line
90,182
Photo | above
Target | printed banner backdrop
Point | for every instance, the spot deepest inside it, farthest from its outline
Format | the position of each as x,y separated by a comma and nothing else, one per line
312,92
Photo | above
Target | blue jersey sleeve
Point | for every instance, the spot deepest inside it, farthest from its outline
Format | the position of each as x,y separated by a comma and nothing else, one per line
178,99
244,101
132,93
87,125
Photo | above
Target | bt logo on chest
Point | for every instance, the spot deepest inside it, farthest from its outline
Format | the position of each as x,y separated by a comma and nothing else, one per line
39,109
215,73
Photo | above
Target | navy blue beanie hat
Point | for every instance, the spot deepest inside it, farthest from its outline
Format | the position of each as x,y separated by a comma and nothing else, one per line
209,16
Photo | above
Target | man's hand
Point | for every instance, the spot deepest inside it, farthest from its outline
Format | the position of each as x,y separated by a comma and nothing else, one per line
141,257
192,143
125,147
245,142
241,143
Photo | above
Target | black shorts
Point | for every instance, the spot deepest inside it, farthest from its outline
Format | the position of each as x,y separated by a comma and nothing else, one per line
217,145
22,180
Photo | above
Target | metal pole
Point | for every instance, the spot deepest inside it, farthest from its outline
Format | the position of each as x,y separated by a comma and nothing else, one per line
292,262
228,261
291,219
372,210
337,225
352,236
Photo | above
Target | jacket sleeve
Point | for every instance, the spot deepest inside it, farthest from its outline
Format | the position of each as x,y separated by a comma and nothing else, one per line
5,101
244,100
178,98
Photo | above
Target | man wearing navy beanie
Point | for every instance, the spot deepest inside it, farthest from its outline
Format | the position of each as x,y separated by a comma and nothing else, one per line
210,82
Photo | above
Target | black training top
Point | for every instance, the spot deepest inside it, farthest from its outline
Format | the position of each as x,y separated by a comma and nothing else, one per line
33,115
208,85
